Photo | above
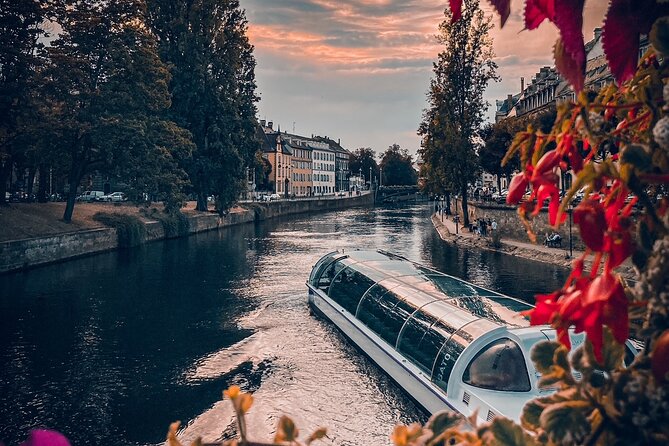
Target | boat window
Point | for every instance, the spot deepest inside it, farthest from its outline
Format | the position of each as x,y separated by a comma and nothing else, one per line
384,313
319,266
500,366
411,342
446,359
348,288
329,272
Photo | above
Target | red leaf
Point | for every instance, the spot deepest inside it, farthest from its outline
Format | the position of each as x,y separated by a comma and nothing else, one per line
625,21
547,162
517,189
589,216
570,59
572,70
503,8
538,10
456,9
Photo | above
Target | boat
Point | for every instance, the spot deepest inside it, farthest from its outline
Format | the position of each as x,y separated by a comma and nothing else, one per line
448,343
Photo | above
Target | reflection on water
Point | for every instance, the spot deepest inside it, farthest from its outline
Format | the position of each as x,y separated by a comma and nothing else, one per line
112,348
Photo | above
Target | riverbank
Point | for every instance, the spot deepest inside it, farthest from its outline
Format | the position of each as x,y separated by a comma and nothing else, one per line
448,232
36,237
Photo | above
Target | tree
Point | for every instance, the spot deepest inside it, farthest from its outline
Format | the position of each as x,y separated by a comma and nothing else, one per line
397,167
456,105
496,143
213,91
362,160
105,88
21,27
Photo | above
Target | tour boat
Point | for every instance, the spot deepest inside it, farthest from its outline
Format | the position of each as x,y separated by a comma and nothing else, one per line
448,343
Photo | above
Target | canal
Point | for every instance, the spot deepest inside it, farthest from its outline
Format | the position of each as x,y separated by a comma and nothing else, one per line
110,349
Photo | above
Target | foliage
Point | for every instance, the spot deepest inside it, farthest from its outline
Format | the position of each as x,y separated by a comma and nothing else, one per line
175,223
130,230
21,28
213,91
456,104
397,167
105,88
286,431
362,160
625,22
617,144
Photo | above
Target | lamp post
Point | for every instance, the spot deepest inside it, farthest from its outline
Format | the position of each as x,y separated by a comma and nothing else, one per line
370,177
380,176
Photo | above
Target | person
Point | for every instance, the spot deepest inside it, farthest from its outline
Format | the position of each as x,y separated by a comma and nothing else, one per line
493,225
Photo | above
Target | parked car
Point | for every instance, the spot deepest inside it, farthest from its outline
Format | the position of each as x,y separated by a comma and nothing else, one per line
91,195
114,196
274,197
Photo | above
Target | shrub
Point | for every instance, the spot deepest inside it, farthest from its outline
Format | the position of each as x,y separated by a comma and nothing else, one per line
129,229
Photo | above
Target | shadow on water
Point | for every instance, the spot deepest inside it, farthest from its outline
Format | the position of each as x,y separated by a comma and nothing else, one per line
112,348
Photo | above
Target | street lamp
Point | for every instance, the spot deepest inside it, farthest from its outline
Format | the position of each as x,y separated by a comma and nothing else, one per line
380,176
370,177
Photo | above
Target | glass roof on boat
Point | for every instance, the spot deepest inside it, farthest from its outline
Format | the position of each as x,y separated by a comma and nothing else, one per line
428,316
418,286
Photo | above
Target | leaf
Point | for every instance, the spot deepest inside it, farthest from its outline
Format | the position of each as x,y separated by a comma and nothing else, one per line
505,432
285,431
573,70
319,433
569,20
536,11
542,355
636,155
531,413
567,419
503,8
560,358
659,35
443,420
456,9
172,434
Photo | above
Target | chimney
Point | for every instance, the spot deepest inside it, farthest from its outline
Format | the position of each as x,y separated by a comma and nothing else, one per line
339,141
263,122
270,124
598,33
522,84
509,99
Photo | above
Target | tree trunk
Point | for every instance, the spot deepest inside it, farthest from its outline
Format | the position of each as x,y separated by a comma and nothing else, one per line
465,215
499,183
448,202
5,171
76,174
71,197
31,180
202,204
43,191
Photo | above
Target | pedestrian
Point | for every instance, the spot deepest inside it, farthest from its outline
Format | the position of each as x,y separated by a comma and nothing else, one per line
493,225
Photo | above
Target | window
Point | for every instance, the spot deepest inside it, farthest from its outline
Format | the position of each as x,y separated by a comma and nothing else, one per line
411,343
329,271
500,366
384,313
348,288
445,361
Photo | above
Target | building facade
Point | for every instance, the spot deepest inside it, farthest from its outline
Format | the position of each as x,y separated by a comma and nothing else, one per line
324,161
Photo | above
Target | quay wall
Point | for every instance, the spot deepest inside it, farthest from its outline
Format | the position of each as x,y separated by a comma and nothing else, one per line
510,226
22,254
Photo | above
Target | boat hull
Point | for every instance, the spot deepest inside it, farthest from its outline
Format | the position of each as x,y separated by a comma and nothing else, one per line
406,375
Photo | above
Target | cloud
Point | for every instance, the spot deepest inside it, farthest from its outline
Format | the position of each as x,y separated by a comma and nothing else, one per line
359,69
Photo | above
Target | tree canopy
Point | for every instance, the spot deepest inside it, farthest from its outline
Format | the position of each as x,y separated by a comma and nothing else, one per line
397,167
455,101
362,160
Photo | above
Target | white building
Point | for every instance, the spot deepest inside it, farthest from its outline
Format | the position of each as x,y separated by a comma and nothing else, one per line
323,162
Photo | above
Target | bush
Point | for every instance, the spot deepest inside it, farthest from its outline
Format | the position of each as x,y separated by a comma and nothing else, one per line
129,229
175,223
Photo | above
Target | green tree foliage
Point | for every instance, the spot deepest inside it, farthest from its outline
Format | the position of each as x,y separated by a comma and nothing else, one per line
456,105
213,91
496,143
397,167
362,160
105,89
21,27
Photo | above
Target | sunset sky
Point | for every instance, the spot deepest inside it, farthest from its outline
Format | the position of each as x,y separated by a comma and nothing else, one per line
359,70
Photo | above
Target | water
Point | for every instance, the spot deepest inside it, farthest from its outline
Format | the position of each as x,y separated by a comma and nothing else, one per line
111,349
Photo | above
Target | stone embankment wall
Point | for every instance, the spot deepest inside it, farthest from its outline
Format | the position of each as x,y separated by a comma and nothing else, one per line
21,254
510,226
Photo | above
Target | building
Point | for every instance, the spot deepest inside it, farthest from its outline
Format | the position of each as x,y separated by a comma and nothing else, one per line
342,160
280,156
324,159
